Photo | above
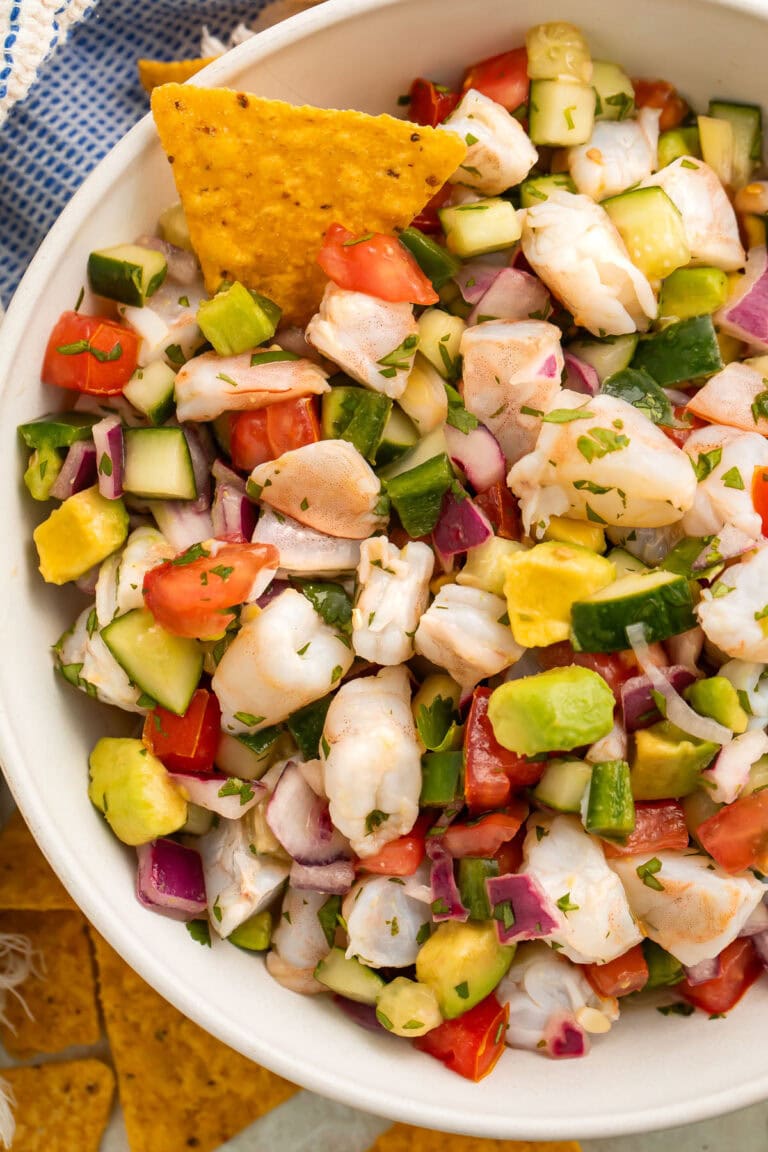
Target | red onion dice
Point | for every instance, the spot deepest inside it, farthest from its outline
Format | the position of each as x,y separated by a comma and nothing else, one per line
302,823
564,1038
336,879
170,879
462,525
446,901
478,454
77,472
109,443
534,915
637,703
225,795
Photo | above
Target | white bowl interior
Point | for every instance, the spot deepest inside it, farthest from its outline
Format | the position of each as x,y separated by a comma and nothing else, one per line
651,1071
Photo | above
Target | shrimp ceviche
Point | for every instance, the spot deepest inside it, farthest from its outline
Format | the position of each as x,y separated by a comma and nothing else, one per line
443,618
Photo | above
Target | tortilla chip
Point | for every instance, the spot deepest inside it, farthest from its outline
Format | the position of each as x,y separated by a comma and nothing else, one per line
26,878
61,1107
179,1087
402,1138
261,181
62,999
153,73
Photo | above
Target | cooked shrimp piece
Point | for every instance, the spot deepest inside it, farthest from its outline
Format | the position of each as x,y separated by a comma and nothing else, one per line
372,760
303,551
373,340
384,922
211,384
709,220
284,658
727,460
618,154
729,398
299,939
394,591
500,153
85,662
571,243
327,486
462,632
508,366
734,611
697,908
567,861
120,584
238,883
613,464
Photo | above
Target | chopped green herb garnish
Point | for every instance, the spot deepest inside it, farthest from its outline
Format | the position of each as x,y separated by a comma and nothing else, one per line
566,905
249,719
374,820
732,479
647,873
200,931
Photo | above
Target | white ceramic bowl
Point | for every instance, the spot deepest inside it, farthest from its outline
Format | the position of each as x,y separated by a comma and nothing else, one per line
651,1071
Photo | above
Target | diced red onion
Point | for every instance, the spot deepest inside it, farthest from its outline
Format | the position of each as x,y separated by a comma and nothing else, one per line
302,823
580,376
564,1038
757,921
180,523
462,525
223,474
303,551
703,971
294,340
730,771
745,315
87,583
637,704
276,588
728,545
206,788
336,879
77,472
678,711
202,453
362,1014
474,279
478,454
760,942
170,879
110,455
534,913
233,515
676,396
183,267
446,901
513,295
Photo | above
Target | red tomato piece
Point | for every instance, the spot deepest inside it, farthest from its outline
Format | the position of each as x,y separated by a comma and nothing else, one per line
503,78
248,441
292,424
619,977
484,837
491,772
679,436
428,220
503,511
737,836
741,966
614,667
661,94
471,1044
510,856
192,594
430,103
376,264
659,826
90,354
760,495
400,857
185,743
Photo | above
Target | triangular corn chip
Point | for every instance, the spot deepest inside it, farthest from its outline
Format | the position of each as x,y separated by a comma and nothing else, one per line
153,73
61,1107
27,880
402,1138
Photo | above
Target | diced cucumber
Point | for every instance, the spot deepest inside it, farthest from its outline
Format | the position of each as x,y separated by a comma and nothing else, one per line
424,449
659,600
683,351
348,977
417,495
652,229
606,356
560,113
440,339
538,188
150,391
563,785
678,142
246,756
440,778
59,430
694,292
637,388
400,435
716,137
451,300
482,226
425,400
167,668
357,415
746,122
610,806
158,464
174,228
614,94
625,563
235,320
473,873
127,273
436,262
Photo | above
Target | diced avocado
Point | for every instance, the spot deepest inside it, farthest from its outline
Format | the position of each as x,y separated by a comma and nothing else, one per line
666,762
678,142
417,495
408,1008
43,468
79,534
577,532
543,583
716,697
636,387
660,601
439,341
694,292
254,934
538,188
486,565
235,320
128,273
435,261
59,430
610,807
563,785
614,94
682,351
357,415
174,228
560,113
473,873
348,977
663,968
552,711
652,229
462,964
134,791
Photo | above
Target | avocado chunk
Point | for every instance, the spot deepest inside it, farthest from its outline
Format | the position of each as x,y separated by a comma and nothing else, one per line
693,292
553,711
486,565
543,583
462,964
134,791
254,934
408,1008
718,699
579,532
80,533
667,762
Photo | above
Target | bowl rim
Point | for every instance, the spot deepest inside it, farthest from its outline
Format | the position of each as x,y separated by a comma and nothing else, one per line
73,869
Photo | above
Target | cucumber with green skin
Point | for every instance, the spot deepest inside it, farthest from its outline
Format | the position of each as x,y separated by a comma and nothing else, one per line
483,226
151,391
473,873
348,977
166,668
746,121
538,188
660,600
417,495
607,356
435,261
398,437
637,388
128,273
610,805
563,785
158,464
357,415
678,142
687,350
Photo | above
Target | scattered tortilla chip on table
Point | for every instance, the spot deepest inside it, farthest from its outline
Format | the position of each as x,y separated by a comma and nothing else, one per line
27,880
153,73
61,1107
61,1000
402,1138
260,182
179,1087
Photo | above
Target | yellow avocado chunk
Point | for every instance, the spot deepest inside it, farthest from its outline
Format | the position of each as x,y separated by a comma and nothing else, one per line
578,532
82,532
543,583
134,791
486,565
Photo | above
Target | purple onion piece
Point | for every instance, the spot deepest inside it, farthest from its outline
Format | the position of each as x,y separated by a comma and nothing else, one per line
513,295
745,315
462,525
728,545
293,340
224,795
478,454
474,279
534,915
302,823
638,705
223,474
703,971
276,588
336,879
203,454
170,879
233,515
109,442
564,1038
181,523
77,472
580,376
363,1014
446,900
182,265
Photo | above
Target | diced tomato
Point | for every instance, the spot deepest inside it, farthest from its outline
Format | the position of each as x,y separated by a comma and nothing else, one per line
90,354
400,857
428,220
431,103
503,78
193,594
659,826
690,421
510,856
266,433
484,837
737,836
619,977
502,509
376,264
248,441
760,495
614,667
185,743
741,966
661,94
491,772
471,1044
